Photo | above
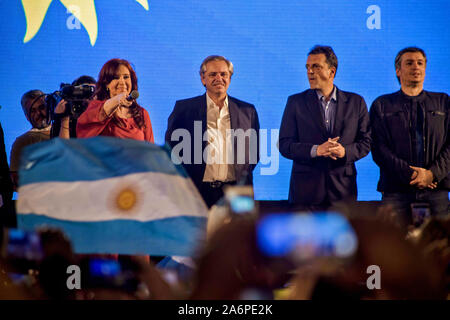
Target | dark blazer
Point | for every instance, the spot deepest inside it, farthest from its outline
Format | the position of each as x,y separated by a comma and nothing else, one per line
318,181
243,116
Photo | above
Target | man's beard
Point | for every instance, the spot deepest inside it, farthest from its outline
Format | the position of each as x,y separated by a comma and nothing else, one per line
40,124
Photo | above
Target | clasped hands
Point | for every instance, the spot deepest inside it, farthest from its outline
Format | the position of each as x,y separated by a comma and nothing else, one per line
422,178
331,149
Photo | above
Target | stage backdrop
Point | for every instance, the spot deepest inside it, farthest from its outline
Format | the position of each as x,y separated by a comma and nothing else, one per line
44,44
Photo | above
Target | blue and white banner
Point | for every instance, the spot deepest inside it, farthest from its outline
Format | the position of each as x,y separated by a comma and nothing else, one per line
111,195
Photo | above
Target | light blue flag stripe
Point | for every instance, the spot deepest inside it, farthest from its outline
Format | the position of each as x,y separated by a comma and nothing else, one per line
159,237
93,159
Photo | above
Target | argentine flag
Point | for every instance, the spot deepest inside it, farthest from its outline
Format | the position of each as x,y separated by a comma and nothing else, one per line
111,195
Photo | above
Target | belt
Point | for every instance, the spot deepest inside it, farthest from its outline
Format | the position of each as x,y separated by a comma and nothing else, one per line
218,184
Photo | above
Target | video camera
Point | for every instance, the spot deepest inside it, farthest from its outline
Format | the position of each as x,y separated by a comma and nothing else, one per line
75,96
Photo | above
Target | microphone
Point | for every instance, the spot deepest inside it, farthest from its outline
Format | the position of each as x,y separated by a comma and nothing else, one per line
133,95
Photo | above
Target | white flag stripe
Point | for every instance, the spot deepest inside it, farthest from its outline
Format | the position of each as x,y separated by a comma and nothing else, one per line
142,196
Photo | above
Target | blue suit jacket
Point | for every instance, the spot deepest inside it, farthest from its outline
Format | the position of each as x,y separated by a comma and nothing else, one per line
316,181
243,116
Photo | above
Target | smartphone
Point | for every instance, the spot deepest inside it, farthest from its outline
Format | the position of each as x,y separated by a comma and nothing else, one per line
108,273
240,201
420,211
301,237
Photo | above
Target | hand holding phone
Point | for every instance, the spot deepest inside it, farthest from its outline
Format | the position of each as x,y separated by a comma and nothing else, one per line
240,201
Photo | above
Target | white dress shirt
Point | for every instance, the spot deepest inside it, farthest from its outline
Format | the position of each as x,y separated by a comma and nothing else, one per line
219,152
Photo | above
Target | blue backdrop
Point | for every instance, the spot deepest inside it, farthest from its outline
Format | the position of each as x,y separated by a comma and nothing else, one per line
267,40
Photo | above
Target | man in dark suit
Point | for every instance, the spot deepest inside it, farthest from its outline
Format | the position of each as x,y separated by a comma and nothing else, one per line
218,133
324,130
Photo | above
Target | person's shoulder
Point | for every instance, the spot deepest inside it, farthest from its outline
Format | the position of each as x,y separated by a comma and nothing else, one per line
437,95
301,95
189,104
144,111
349,94
30,137
300,99
441,100
241,103
24,137
387,98
191,101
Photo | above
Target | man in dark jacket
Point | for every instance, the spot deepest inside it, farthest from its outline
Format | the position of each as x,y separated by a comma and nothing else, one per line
411,141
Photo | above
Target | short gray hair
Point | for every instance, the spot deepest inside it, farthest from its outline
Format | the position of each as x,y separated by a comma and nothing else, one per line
216,58
29,95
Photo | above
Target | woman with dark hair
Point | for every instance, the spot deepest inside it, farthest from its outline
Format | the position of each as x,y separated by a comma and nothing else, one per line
110,113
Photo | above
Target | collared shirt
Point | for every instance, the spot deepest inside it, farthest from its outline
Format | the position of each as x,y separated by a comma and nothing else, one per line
219,151
328,108
48,128
328,112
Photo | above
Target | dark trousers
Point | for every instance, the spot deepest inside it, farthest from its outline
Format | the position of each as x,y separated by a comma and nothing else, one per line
401,203
213,191
325,205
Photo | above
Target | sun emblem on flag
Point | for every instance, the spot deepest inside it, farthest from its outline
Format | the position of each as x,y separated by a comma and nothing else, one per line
83,10
125,199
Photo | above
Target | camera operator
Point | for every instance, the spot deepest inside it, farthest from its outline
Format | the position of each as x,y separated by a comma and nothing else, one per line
70,107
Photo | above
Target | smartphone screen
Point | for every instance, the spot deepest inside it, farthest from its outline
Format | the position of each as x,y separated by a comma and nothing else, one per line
302,237
240,200
109,273
23,245
104,268
419,212
21,250
240,204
